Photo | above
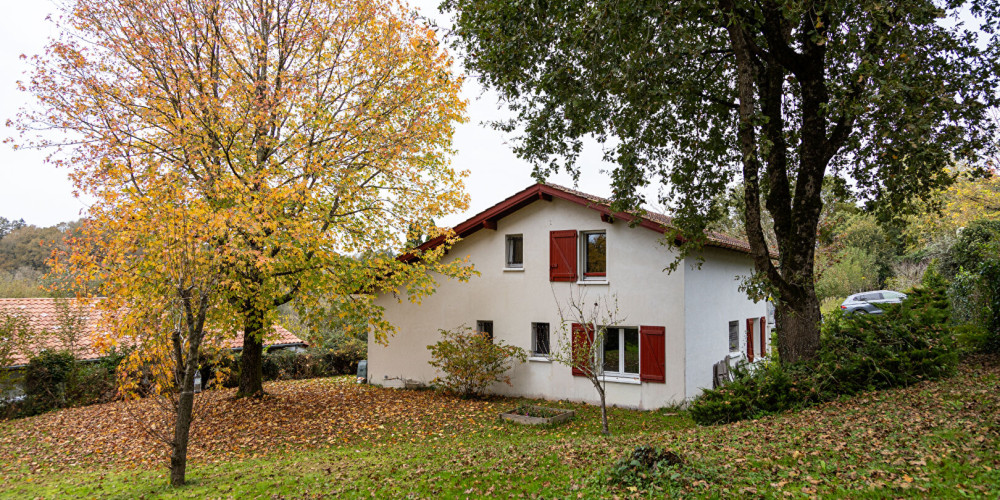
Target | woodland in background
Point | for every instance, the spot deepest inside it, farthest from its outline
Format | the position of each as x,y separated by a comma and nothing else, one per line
24,252
857,252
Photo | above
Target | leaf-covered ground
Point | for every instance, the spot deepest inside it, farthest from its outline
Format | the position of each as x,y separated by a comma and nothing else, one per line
333,438
299,414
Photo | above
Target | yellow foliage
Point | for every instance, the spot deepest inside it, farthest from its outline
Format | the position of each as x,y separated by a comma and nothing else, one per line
968,199
253,150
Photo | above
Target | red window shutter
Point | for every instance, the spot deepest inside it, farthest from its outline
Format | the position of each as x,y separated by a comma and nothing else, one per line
582,339
750,322
652,352
763,336
562,255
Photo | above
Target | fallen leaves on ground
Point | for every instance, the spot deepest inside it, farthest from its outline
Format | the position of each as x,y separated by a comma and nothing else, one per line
883,439
303,414
931,439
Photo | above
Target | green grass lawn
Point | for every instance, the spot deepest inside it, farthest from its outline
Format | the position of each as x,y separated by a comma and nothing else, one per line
936,440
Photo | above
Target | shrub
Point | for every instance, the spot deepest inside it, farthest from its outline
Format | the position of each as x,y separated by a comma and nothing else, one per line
291,365
341,358
975,296
973,263
55,379
850,270
227,372
91,383
976,243
471,361
45,380
343,354
768,388
646,466
315,362
909,343
967,300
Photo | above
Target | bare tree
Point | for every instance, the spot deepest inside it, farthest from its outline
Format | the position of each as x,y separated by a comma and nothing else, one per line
580,343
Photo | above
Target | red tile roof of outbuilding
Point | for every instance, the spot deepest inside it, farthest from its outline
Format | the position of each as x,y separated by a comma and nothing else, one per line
45,316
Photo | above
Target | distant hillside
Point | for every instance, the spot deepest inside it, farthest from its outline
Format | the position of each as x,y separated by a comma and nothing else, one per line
24,253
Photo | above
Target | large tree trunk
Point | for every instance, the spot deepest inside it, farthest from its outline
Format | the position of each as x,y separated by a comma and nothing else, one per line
797,320
182,427
762,74
252,358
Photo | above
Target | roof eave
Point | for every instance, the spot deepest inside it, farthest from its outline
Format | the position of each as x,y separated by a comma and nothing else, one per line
489,217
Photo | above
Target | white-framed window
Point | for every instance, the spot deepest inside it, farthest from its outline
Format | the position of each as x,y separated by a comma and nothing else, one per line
594,255
621,351
514,258
734,336
540,339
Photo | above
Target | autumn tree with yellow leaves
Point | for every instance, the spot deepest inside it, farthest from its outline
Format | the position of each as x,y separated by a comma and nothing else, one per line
150,242
973,196
304,133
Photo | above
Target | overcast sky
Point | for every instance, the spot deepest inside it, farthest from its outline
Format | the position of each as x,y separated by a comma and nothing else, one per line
42,195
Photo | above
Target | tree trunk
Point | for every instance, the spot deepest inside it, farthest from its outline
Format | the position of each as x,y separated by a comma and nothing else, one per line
798,322
795,216
604,414
252,357
182,427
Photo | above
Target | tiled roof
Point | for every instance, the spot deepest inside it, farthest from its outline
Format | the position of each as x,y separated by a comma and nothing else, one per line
650,220
714,238
46,315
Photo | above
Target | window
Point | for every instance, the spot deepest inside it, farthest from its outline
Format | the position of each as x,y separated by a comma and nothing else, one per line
763,336
485,327
638,354
515,251
621,351
594,255
540,339
734,336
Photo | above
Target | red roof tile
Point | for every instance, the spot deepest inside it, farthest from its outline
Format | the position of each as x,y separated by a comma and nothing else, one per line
650,220
714,238
46,315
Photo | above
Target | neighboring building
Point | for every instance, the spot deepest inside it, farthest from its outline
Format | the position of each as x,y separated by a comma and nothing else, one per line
47,316
536,248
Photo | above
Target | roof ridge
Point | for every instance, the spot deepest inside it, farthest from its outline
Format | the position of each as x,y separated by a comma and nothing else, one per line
606,201
488,217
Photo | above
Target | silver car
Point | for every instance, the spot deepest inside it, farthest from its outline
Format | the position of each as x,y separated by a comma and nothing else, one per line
864,302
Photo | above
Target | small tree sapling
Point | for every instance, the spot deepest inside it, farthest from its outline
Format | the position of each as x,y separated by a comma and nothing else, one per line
580,344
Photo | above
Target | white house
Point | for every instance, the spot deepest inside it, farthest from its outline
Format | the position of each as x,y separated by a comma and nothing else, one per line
547,243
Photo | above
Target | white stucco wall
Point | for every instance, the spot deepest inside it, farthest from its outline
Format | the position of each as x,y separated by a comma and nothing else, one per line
712,300
646,295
